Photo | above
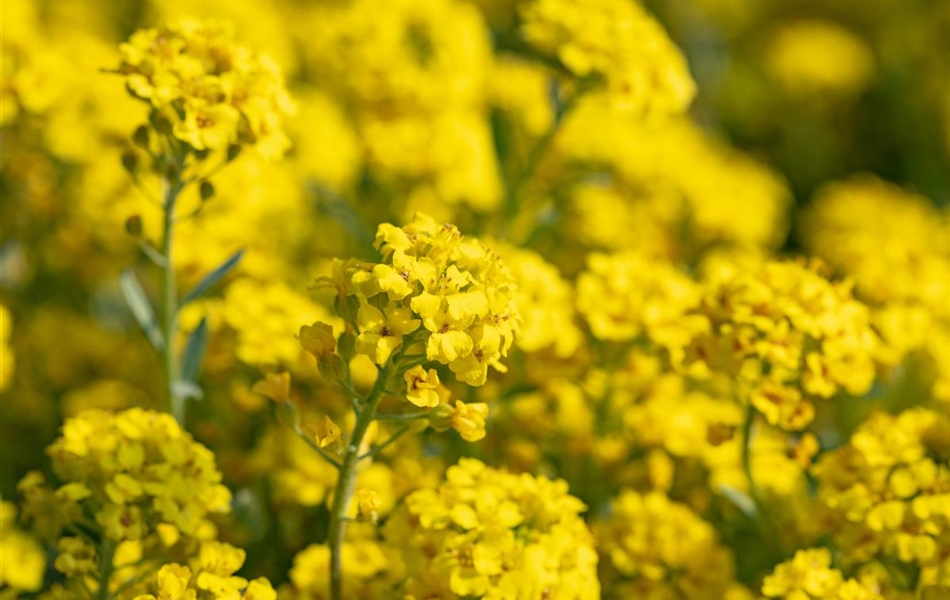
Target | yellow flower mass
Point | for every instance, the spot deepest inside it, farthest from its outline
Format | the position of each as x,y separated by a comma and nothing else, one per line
474,299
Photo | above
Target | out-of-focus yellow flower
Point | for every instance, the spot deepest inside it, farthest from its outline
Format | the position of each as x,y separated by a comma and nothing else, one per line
658,206
809,575
627,295
126,461
653,547
275,386
812,59
326,432
545,303
642,70
469,420
7,361
24,560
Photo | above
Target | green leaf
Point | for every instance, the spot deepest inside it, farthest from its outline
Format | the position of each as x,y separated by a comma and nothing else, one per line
194,351
743,501
212,278
138,303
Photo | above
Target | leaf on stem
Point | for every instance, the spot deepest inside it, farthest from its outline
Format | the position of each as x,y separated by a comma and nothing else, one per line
194,351
212,278
138,303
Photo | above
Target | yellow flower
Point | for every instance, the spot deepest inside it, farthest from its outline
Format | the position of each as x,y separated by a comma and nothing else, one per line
275,386
381,333
221,93
422,386
659,548
368,503
809,575
885,490
326,432
24,560
643,72
487,533
469,420
125,461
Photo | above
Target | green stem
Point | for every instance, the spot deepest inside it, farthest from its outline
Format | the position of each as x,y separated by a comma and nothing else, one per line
747,457
347,481
377,449
106,555
176,402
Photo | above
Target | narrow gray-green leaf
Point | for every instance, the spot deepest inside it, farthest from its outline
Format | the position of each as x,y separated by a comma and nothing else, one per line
194,351
212,278
141,309
743,501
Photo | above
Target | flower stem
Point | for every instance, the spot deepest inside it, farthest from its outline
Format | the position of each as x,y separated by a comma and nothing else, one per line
106,556
176,402
747,456
347,481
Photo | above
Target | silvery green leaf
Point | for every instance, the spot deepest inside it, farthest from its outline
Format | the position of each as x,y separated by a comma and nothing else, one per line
212,278
141,309
194,351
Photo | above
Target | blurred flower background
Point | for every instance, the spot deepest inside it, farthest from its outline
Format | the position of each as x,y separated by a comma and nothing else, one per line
704,247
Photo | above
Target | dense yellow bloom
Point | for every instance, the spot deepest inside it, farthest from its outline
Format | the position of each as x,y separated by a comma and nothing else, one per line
657,205
627,295
7,361
458,291
545,302
209,575
817,58
521,89
896,248
221,92
888,489
486,533
368,572
415,83
642,70
139,470
652,547
24,561
809,576
888,240
262,317
788,335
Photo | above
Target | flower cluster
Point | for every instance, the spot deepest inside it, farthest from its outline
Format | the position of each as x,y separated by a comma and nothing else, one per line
900,264
642,70
137,474
210,576
787,334
809,576
792,59
627,295
457,293
545,303
214,92
888,491
485,533
652,547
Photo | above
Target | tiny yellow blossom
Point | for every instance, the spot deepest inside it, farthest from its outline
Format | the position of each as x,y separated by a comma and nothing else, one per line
422,387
